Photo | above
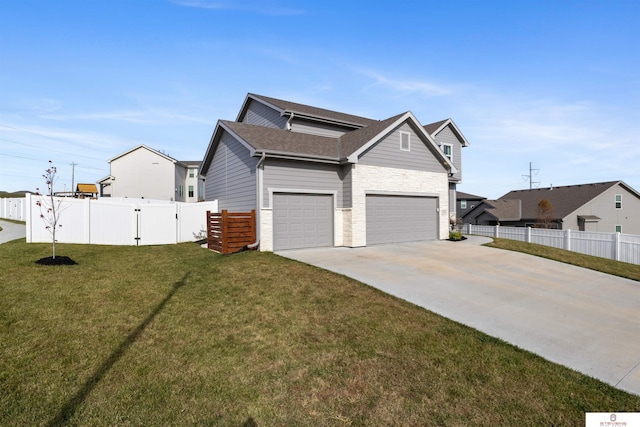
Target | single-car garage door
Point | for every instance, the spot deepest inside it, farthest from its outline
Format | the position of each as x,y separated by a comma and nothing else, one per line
302,220
395,219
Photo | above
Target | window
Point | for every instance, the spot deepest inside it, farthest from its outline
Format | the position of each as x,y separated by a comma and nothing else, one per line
463,204
181,190
618,229
192,173
618,201
405,141
191,191
447,149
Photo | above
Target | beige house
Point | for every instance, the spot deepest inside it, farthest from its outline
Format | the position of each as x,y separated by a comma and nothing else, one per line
608,207
145,173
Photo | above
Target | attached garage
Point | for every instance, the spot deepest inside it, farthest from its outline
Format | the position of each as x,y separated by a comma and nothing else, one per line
396,219
302,220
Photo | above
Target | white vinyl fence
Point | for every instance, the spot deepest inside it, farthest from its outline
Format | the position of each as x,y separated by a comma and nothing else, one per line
119,221
616,246
13,208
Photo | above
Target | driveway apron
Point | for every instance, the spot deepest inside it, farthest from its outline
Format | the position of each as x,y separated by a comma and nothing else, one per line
582,319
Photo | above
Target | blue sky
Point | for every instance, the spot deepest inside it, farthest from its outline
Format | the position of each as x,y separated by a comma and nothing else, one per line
555,83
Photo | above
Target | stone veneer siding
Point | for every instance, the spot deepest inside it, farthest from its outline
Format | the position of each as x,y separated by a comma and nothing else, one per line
372,179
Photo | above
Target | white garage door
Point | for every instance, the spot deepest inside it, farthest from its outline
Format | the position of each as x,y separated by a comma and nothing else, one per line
302,221
395,219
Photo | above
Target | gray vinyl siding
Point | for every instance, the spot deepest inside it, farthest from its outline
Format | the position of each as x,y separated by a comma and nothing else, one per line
387,153
446,136
604,208
300,176
347,180
452,199
261,115
321,129
231,178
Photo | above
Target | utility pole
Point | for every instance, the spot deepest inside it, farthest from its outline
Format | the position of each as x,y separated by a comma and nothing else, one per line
73,173
530,177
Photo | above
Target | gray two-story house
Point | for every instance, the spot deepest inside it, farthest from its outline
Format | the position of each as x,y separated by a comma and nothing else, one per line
318,177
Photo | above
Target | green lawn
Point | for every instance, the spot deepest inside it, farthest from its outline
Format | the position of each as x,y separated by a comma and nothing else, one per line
622,269
178,335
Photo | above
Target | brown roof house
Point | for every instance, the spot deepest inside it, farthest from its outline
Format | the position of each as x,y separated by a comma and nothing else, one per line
317,177
465,202
605,206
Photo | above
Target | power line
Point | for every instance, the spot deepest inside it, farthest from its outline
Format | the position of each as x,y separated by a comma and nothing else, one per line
48,149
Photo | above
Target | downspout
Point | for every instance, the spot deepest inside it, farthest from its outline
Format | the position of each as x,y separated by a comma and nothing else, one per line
259,195
289,122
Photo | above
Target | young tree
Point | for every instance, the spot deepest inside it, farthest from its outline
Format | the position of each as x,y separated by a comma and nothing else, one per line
50,205
544,214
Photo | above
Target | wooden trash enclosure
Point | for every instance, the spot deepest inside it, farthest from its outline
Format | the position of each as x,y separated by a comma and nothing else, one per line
229,232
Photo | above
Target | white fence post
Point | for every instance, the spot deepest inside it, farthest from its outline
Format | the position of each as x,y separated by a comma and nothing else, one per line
497,231
567,240
617,247
527,235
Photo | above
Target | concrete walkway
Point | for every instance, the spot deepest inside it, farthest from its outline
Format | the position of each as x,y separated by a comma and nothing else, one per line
579,318
11,231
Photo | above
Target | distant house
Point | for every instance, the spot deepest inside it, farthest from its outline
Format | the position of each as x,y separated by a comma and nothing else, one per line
605,206
319,177
465,202
143,172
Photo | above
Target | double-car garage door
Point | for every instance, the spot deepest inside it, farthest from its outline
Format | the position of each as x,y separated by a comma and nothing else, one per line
396,219
306,220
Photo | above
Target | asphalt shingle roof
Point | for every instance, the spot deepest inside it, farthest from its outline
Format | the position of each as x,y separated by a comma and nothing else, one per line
564,200
315,111
283,141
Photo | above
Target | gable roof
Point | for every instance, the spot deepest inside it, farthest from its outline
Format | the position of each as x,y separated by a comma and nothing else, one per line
171,159
346,148
565,199
467,196
500,210
305,111
434,128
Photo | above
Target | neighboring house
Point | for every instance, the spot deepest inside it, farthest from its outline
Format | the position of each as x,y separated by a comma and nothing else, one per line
318,177
143,172
605,206
465,202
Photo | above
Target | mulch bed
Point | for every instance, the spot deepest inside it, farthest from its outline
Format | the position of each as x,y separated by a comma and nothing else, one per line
58,260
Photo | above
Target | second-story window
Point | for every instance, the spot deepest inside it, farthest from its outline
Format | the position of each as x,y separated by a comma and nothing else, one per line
191,191
618,201
463,204
192,173
447,149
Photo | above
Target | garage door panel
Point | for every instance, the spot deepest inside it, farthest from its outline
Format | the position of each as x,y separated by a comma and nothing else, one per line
395,219
302,220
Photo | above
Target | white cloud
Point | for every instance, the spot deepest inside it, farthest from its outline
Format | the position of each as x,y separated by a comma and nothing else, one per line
261,7
422,87
144,116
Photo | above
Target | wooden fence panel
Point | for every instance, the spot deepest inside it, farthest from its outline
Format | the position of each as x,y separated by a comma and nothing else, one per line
229,232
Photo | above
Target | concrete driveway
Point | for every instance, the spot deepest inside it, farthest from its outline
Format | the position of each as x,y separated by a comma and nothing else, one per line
576,317
11,231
